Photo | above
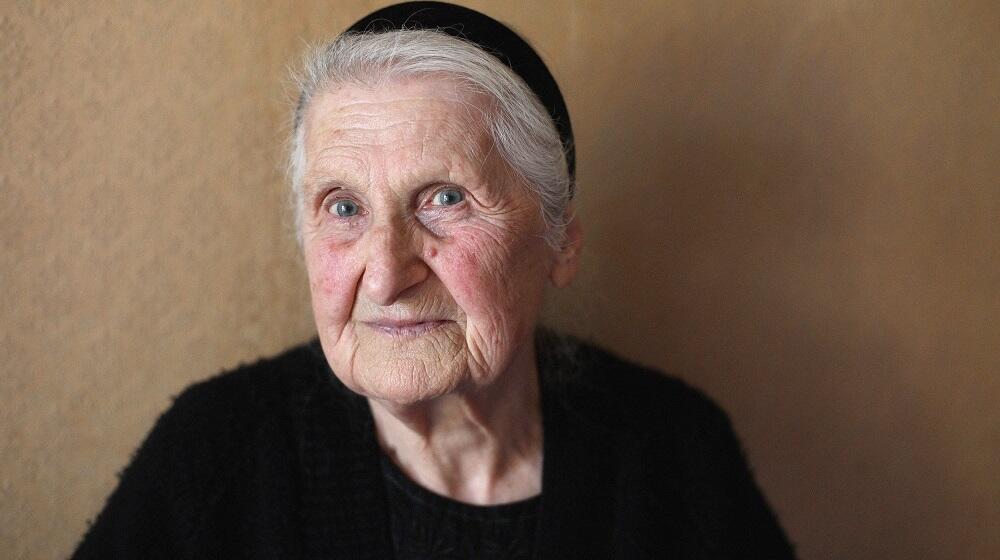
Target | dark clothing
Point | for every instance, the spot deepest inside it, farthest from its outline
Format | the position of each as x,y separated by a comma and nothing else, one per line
426,526
279,460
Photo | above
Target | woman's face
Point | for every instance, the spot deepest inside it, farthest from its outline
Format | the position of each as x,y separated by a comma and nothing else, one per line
425,254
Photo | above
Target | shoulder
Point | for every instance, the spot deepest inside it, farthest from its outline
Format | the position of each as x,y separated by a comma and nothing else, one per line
210,420
627,396
249,389
679,457
210,413
198,449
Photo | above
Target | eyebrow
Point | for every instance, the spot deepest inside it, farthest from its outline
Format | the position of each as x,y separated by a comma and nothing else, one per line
312,186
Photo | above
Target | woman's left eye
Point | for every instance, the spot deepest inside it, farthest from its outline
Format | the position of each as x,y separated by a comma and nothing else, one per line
447,197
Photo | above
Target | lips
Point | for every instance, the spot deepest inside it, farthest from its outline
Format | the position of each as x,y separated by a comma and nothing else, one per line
394,327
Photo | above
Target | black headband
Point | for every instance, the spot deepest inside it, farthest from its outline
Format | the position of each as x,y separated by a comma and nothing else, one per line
490,35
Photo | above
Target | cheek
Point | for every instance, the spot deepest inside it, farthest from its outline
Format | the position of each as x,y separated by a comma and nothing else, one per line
333,277
493,280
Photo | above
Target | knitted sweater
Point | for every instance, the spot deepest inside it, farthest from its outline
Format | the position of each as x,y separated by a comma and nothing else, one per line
279,460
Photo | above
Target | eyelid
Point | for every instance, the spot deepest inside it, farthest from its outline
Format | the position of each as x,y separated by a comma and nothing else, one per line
325,198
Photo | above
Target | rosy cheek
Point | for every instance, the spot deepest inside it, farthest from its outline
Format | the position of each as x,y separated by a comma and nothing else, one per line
460,277
467,269
332,279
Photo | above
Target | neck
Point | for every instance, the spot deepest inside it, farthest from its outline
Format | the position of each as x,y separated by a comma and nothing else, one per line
480,445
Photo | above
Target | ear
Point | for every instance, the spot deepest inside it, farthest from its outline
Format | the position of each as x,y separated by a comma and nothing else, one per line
567,259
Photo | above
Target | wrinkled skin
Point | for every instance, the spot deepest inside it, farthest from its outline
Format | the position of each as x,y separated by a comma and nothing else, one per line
416,296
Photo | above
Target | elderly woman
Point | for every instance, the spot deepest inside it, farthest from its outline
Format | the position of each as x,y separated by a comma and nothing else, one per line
432,176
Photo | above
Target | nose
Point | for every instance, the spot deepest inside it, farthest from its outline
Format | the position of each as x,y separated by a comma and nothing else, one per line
393,265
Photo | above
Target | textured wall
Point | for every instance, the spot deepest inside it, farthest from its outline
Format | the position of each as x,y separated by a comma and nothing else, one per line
142,246
794,205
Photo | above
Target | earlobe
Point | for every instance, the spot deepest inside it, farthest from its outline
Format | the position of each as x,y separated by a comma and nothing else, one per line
567,260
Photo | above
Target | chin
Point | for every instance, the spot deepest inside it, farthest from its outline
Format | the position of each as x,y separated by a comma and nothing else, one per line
406,380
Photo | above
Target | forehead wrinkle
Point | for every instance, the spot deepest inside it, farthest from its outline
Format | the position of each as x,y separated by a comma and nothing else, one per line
326,167
403,110
456,136
422,134
430,141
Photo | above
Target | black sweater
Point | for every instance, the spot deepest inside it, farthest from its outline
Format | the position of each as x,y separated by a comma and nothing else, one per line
279,460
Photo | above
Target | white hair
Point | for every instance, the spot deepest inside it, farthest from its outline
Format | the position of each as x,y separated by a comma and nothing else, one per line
519,125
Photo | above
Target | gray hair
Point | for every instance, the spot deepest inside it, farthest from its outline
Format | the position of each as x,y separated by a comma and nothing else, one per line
521,128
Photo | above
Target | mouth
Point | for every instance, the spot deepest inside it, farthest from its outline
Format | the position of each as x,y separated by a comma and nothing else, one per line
397,328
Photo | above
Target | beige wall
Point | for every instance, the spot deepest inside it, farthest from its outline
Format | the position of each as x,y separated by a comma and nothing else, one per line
794,205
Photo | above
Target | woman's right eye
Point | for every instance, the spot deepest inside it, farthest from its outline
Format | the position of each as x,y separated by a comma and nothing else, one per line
344,208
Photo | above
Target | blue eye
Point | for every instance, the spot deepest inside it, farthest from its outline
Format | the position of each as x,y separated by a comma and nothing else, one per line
344,208
448,197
